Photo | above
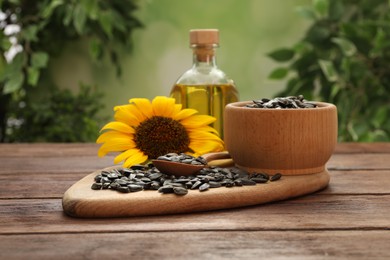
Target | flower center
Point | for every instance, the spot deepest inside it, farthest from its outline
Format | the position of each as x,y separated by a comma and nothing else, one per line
159,135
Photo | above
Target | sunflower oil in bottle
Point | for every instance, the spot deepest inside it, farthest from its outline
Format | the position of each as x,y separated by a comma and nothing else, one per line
204,87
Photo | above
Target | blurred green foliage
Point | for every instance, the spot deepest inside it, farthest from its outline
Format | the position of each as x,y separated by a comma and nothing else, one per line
344,58
41,29
60,117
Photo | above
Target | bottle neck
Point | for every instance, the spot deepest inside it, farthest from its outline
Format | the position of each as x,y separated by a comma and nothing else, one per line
204,55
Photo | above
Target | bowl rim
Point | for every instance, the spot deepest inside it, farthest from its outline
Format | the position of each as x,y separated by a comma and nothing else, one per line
320,106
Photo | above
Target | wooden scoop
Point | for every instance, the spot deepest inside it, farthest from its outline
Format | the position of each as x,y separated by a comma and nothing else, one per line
183,169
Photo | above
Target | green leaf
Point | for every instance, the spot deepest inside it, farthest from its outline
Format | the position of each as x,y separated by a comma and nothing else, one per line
335,90
32,76
39,59
321,7
380,117
278,73
47,12
96,49
281,55
18,61
5,43
79,18
306,12
317,34
380,43
328,70
3,68
105,20
14,83
30,32
68,15
91,8
345,45
336,9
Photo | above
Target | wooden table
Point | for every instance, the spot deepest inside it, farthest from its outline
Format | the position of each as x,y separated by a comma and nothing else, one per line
349,219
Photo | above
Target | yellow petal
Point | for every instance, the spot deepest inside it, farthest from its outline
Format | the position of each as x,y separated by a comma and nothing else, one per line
110,135
205,129
202,147
119,126
115,145
126,154
200,135
123,116
176,109
197,121
143,105
133,110
137,158
184,114
163,106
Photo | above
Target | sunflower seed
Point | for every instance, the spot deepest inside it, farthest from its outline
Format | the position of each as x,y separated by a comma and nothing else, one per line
123,189
121,182
96,186
135,188
247,182
196,185
276,177
98,178
259,180
180,190
166,189
155,176
204,187
214,184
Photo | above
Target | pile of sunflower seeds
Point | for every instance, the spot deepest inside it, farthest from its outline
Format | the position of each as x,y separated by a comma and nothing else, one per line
141,177
282,103
183,158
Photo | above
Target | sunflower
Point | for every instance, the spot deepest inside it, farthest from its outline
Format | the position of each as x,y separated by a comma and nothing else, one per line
144,130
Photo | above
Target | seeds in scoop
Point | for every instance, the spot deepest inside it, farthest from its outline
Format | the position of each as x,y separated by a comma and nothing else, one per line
183,158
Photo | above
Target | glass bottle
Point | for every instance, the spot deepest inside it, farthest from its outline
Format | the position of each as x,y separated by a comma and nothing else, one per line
204,87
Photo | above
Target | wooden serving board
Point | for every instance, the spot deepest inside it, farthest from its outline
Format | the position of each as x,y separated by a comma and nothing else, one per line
81,201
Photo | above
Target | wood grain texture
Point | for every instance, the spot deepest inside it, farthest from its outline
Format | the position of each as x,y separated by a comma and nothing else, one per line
37,185
90,149
48,149
63,165
81,201
348,220
362,148
290,141
199,245
358,182
69,164
313,212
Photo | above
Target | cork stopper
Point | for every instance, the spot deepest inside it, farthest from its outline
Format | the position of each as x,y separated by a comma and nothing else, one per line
204,37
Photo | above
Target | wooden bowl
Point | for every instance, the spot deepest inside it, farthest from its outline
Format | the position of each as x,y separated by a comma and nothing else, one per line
288,141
